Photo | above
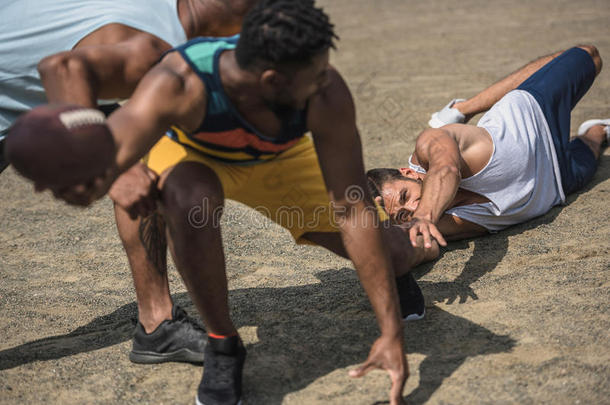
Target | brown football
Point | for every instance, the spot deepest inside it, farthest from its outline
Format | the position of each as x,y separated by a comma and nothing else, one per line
60,145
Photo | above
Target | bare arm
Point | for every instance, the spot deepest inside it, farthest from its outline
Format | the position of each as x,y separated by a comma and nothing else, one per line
170,94
456,228
106,64
88,73
438,150
332,121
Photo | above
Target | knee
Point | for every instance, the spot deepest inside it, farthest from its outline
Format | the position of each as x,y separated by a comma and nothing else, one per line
597,59
191,195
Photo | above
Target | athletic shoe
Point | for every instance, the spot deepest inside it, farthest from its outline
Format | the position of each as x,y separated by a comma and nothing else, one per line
412,305
221,381
585,126
447,115
178,339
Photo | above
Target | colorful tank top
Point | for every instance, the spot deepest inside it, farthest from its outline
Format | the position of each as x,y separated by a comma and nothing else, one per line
224,134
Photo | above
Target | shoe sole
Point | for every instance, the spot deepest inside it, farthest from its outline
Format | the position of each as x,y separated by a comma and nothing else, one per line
197,402
585,126
435,122
414,317
180,356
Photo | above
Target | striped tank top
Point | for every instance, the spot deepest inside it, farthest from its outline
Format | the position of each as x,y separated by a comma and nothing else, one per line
224,134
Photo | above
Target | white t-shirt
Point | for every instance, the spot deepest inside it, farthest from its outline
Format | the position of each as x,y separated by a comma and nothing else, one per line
522,178
33,29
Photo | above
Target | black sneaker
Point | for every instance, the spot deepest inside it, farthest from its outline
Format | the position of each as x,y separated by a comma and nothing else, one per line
179,339
412,305
221,381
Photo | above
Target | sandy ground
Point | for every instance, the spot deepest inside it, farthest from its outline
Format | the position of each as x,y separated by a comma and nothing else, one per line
518,317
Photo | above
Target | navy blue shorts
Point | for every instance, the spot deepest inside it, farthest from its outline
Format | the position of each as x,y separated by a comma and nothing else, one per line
557,87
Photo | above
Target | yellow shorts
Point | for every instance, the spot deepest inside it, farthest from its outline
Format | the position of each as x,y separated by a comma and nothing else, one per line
289,189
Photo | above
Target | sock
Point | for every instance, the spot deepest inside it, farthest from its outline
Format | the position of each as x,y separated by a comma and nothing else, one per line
215,336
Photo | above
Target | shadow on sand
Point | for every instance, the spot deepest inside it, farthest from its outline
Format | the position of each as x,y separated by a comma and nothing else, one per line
304,333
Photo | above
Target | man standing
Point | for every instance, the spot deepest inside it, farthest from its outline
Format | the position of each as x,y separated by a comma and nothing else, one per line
88,52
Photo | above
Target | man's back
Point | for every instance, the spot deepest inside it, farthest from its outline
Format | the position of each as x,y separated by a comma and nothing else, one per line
519,178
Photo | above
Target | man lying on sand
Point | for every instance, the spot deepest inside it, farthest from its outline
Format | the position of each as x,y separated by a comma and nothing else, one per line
517,163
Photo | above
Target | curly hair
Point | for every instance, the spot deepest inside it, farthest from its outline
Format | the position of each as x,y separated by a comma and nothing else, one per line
278,32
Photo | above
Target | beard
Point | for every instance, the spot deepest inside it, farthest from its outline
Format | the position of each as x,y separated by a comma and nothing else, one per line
285,110
281,109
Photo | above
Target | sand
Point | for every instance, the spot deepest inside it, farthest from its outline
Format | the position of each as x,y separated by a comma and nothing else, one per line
520,317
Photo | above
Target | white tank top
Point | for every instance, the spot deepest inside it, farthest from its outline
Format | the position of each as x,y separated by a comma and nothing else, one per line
33,29
522,178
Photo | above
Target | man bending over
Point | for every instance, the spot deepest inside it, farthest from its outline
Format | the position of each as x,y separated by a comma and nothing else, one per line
236,111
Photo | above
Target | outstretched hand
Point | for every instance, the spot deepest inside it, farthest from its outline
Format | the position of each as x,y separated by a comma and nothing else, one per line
387,353
428,230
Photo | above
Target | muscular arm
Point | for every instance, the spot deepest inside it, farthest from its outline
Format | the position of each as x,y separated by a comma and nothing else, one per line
437,149
450,153
88,73
332,121
170,94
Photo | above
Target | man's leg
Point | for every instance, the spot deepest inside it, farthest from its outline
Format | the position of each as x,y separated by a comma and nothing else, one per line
404,255
164,332
192,202
404,258
195,240
491,95
594,138
557,88
582,164
148,268
580,157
